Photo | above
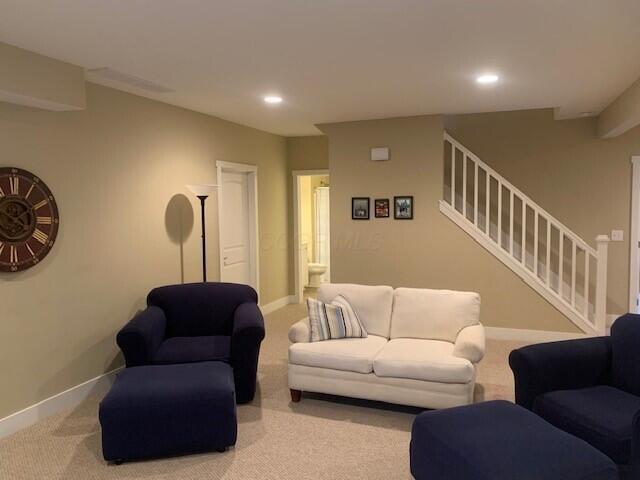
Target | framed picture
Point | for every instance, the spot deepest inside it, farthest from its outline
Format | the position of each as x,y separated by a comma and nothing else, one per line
403,208
360,208
381,206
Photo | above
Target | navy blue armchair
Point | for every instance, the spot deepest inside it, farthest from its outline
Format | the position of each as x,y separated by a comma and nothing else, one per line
589,388
199,322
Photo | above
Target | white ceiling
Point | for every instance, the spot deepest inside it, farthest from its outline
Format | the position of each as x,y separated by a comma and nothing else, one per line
337,60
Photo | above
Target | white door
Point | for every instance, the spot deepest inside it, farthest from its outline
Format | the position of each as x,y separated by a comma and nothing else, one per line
235,232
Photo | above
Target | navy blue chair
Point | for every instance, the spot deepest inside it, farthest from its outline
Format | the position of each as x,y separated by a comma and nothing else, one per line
589,388
199,322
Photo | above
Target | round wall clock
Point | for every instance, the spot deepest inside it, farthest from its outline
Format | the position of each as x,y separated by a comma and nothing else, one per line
29,219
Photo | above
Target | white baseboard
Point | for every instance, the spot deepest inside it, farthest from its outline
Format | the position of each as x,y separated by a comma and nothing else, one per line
277,304
530,336
62,401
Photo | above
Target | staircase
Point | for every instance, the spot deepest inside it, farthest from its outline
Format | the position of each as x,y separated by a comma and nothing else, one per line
548,256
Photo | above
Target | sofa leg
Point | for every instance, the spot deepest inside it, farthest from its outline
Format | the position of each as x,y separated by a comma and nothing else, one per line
296,395
118,461
221,449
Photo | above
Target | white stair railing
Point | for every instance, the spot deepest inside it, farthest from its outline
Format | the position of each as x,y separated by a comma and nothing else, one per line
545,253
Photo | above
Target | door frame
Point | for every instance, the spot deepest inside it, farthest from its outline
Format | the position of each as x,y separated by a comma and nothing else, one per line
297,267
634,234
254,237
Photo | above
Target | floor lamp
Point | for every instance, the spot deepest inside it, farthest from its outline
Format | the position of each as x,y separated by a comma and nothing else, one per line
203,192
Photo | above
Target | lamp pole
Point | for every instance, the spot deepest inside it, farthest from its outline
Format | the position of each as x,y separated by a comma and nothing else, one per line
203,192
204,238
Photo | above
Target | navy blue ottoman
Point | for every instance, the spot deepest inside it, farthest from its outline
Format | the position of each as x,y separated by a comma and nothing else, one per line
500,441
165,410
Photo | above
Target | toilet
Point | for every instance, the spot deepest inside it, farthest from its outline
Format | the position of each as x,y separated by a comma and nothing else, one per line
316,270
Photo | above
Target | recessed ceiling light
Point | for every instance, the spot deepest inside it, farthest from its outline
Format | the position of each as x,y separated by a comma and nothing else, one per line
273,99
488,78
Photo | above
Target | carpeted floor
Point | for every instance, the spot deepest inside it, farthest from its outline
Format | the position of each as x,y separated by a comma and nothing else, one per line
320,438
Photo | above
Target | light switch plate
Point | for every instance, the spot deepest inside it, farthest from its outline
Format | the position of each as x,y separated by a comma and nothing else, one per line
379,154
617,235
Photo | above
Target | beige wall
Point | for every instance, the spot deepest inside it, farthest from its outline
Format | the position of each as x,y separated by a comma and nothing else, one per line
118,171
584,181
27,78
622,114
429,251
308,153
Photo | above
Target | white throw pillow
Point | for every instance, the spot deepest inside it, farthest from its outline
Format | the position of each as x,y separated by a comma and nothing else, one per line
335,320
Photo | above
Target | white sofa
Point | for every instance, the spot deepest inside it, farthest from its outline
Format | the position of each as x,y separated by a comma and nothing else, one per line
422,349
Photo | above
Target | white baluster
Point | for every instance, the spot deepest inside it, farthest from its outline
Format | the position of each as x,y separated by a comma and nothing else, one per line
573,272
548,262
475,193
535,242
601,284
511,222
464,185
487,202
499,213
453,176
587,260
561,263
523,249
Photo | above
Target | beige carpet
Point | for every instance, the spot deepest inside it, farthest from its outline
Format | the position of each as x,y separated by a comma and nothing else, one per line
320,438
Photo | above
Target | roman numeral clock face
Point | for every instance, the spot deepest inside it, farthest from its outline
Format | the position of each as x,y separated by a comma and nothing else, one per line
28,219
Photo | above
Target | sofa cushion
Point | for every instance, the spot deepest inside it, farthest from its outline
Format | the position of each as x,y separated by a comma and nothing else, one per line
372,304
192,349
350,354
429,360
433,314
602,416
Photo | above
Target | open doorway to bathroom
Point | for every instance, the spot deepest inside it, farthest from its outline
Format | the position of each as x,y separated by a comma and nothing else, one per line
634,240
312,258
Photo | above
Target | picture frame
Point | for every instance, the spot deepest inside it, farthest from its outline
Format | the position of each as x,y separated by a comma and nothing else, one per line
360,208
403,207
381,207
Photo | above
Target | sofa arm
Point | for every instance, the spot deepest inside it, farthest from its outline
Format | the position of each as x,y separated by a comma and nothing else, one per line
564,365
300,332
140,338
470,343
246,337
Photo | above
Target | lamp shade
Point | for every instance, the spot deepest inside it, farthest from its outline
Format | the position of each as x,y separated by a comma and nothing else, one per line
203,190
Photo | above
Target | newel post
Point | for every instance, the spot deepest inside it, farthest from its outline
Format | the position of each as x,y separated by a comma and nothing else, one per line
602,242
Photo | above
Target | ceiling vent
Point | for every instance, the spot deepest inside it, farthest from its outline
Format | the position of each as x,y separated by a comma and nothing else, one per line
107,73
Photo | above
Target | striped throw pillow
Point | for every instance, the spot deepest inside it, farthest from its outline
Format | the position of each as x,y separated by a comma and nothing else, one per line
335,320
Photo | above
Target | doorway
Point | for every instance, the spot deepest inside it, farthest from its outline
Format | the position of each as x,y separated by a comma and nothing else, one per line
634,238
311,219
238,217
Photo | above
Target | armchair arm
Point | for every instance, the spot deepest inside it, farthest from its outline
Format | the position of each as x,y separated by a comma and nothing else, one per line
248,333
634,461
564,365
470,343
140,338
300,332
